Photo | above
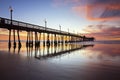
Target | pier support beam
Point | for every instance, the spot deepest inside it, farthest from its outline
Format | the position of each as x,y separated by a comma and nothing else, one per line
39,38
14,43
55,40
27,42
19,42
43,39
65,39
48,40
31,41
68,38
62,40
59,39
36,40
52,39
9,43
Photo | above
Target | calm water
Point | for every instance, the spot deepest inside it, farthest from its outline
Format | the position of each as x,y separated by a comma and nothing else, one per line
81,61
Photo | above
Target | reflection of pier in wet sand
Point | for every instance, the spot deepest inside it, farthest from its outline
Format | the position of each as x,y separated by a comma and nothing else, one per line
53,52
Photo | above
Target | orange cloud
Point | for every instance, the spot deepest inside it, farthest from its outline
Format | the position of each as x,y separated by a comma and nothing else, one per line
94,10
89,15
91,11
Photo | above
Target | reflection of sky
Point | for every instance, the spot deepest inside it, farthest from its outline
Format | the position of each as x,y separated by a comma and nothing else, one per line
98,52
103,53
98,62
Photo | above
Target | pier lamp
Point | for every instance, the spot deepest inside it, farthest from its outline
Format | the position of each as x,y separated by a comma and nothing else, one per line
68,30
60,28
45,24
11,10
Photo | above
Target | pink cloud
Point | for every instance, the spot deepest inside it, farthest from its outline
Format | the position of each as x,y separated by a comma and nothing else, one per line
103,32
94,10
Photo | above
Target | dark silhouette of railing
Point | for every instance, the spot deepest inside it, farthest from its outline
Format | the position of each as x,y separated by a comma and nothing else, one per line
6,23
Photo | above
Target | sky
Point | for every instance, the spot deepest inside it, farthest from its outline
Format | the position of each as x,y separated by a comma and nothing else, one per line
97,18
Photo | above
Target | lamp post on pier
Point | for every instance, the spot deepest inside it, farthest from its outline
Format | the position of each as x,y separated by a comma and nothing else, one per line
44,32
45,24
11,16
11,11
9,43
60,28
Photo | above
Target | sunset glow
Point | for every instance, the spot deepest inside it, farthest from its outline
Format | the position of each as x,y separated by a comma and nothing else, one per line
80,16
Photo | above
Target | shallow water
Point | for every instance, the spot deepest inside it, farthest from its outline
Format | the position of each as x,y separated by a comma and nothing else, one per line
81,61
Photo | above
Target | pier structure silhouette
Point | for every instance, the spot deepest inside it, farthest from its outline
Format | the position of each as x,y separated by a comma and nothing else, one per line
36,30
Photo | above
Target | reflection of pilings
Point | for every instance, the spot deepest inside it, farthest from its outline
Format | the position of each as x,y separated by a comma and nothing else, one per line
48,40
55,39
69,49
29,51
55,49
19,42
9,43
37,53
19,49
48,48
14,49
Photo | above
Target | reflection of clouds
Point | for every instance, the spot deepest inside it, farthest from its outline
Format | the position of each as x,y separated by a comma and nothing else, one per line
105,52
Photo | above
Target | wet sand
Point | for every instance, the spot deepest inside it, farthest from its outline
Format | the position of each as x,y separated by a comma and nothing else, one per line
85,64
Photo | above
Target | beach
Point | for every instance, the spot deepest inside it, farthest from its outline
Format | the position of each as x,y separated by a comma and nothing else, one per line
88,62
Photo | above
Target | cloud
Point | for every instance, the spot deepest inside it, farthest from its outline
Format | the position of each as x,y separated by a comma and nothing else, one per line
106,50
97,10
103,32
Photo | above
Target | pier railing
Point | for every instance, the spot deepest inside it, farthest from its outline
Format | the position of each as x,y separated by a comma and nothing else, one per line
32,26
